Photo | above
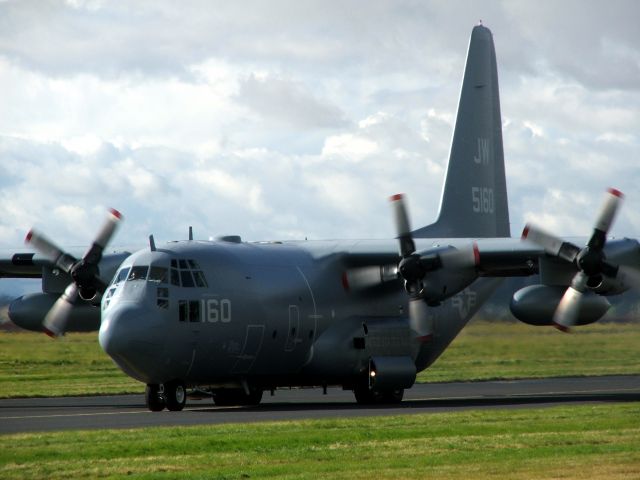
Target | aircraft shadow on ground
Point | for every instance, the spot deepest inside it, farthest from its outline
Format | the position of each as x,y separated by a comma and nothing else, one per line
427,404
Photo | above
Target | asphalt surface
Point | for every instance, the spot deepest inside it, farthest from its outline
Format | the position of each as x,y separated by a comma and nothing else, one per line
129,411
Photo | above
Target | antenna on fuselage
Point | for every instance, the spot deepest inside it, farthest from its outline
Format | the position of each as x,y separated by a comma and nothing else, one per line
152,243
190,232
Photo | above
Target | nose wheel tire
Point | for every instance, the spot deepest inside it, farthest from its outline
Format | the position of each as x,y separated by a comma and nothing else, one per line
175,395
153,398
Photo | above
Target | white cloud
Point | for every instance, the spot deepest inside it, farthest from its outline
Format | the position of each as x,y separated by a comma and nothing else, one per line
292,119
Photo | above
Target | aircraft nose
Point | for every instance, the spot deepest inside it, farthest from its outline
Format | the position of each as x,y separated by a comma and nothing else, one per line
130,337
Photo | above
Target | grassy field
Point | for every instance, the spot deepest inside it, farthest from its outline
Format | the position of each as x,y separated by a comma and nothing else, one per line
573,442
33,365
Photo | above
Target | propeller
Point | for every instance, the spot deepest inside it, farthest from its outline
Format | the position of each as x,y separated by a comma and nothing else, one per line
590,261
86,283
414,266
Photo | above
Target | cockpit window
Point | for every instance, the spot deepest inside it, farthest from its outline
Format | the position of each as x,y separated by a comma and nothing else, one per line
193,265
138,273
121,276
158,275
188,274
187,279
199,278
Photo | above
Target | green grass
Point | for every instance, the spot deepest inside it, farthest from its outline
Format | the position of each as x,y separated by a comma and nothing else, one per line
600,441
505,350
33,365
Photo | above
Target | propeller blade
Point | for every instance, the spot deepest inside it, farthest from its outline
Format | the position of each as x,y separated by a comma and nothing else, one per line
419,320
56,319
401,218
566,314
612,201
94,254
551,244
50,250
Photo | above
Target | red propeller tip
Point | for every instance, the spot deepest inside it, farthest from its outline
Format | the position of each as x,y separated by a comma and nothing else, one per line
49,333
525,232
476,254
29,236
562,328
345,281
396,197
115,213
615,192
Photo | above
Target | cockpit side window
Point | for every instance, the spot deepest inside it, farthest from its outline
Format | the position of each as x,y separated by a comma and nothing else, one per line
121,276
158,275
175,277
138,273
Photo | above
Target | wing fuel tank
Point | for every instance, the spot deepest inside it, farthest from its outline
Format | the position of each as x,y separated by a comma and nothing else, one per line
536,304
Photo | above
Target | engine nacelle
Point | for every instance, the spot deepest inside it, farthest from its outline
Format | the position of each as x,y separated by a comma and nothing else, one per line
536,304
28,312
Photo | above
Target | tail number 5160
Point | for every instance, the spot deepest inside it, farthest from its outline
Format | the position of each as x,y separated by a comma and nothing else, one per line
482,198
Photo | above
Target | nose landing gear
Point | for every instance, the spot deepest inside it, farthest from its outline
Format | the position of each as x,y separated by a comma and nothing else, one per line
172,395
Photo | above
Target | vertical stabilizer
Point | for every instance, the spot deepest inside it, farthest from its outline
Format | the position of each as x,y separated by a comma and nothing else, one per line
474,198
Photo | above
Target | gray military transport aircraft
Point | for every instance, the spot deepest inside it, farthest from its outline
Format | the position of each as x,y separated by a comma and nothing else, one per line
234,319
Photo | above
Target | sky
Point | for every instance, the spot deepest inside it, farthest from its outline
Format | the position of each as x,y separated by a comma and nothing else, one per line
298,119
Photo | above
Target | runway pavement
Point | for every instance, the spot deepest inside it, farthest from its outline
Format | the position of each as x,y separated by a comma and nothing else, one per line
129,411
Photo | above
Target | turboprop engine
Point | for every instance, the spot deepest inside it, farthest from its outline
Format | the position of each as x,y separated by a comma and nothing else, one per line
536,305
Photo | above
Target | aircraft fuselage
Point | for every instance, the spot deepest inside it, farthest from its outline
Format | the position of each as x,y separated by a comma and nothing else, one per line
272,314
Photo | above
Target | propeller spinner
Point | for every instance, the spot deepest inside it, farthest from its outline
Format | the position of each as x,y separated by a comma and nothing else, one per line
590,260
86,283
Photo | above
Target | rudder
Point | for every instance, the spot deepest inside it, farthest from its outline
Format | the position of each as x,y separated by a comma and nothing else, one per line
474,198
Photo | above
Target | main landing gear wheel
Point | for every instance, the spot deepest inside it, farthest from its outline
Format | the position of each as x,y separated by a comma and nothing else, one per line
367,396
175,395
153,398
237,397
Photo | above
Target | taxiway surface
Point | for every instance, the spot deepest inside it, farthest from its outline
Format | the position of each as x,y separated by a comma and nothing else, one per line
129,411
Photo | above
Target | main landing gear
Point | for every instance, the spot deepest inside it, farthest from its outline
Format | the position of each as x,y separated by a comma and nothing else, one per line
171,395
372,396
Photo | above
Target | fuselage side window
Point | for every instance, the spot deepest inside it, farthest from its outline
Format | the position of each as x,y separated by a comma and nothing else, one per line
194,311
158,275
183,310
138,273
